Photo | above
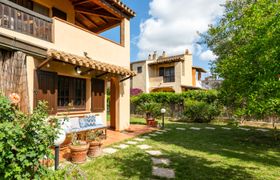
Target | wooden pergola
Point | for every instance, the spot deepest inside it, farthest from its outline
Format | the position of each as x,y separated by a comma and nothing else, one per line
100,15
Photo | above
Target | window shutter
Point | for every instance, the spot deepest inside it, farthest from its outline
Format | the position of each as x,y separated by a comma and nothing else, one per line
45,89
97,95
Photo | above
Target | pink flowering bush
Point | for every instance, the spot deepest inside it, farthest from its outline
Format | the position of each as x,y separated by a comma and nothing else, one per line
135,91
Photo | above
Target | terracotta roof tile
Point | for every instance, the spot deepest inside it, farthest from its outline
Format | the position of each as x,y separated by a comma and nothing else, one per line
89,63
169,59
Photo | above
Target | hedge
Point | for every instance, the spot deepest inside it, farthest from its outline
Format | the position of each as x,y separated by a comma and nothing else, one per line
175,102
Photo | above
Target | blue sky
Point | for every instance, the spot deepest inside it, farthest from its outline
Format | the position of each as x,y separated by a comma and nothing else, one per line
170,26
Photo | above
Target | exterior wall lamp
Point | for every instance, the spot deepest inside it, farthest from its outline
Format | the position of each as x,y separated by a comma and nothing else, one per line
78,69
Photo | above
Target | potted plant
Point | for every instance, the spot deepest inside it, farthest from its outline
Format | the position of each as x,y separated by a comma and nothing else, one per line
151,110
78,150
94,139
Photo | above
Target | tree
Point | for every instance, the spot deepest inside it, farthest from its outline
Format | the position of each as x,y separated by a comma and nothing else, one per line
247,42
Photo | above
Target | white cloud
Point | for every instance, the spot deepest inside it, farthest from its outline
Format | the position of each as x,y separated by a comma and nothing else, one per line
207,56
173,25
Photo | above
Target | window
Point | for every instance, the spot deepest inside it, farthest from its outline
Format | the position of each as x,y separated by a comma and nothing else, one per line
41,9
71,91
139,69
58,13
161,71
169,74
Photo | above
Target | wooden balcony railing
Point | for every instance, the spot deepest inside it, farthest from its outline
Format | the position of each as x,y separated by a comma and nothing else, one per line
23,20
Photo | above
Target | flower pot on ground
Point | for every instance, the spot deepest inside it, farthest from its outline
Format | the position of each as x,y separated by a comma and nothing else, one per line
94,139
78,150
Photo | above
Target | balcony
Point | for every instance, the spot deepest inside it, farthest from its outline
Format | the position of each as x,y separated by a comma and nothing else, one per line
161,81
22,24
25,21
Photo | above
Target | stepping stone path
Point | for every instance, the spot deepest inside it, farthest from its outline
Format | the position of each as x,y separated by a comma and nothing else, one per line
154,153
182,129
109,150
226,128
122,146
195,128
244,129
144,146
157,161
158,132
211,128
139,139
146,137
131,142
263,130
163,172
153,135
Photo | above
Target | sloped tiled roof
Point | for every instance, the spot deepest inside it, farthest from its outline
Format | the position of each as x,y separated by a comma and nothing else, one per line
169,59
89,63
123,6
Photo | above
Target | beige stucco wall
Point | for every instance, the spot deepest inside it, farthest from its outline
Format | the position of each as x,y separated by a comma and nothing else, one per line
186,79
139,81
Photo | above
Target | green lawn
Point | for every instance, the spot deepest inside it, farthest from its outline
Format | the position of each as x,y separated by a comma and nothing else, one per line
204,154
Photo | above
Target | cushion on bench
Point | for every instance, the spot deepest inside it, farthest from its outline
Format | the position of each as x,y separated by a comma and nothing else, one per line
89,122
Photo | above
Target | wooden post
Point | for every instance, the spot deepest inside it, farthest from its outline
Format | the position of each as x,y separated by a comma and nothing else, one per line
122,33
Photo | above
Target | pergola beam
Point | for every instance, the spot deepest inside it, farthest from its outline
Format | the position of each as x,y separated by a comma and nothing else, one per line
80,2
125,79
49,59
90,20
102,74
94,13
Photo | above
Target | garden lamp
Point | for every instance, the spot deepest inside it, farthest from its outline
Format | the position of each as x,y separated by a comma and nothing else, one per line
57,142
163,111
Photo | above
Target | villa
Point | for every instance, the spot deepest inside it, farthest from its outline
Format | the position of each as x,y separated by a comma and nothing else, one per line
53,51
167,73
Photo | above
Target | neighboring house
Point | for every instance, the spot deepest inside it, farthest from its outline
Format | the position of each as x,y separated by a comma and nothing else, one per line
166,73
211,82
51,50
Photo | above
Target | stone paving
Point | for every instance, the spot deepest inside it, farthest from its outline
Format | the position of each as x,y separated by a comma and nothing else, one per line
195,128
153,135
154,152
244,129
131,142
263,130
157,161
182,129
163,172
139,139
226,128
109,150
146,137
122,146
144,146
211,128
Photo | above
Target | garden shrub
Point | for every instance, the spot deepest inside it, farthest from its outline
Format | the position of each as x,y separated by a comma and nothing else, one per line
24,141
200,111
173,102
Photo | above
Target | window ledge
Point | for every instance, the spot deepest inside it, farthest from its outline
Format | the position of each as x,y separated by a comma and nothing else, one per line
72,114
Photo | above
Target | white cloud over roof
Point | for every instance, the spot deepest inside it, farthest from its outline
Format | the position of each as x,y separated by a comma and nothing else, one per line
174,24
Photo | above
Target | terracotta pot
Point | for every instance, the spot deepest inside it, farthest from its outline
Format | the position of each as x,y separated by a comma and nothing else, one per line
79,153
94,149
